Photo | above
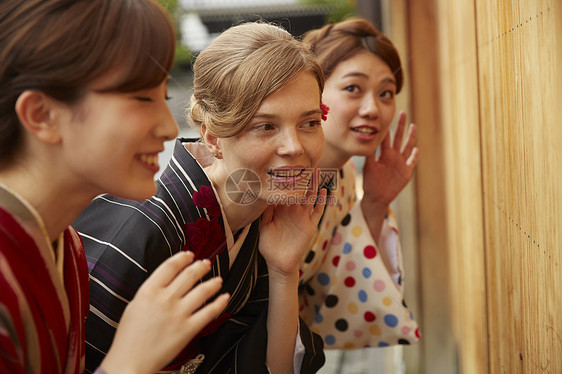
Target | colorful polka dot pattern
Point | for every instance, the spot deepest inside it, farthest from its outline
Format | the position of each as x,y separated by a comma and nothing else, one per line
350,298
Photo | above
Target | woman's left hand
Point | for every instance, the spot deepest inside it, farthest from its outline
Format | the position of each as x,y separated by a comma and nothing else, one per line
383,179
286,230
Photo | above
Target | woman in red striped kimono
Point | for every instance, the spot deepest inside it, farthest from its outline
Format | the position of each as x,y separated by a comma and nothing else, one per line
83,111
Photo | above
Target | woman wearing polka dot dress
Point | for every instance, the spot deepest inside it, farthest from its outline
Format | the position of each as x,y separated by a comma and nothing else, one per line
352,291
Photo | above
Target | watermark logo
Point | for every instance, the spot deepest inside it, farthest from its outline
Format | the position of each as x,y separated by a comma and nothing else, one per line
285,199
243,186
328,178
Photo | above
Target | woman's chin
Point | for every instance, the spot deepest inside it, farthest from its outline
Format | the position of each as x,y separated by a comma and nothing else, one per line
364,149
138,192
355,148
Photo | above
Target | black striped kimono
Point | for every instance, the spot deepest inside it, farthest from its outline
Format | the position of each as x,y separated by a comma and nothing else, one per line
126,240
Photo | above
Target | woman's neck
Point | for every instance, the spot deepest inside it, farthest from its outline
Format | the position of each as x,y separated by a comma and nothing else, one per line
333,157
56,205
238,215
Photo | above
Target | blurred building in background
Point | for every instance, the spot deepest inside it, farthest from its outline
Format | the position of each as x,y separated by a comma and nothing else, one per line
198,22
204,20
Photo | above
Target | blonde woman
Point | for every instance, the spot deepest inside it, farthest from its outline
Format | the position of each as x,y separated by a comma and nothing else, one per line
256,103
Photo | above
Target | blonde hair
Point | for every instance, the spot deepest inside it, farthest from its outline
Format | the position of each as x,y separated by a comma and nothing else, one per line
241,67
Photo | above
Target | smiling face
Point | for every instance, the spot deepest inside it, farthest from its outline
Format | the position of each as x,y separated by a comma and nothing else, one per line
282,142
111,140
360,93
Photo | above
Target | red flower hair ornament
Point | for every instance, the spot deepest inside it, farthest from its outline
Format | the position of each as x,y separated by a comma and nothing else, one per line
325,110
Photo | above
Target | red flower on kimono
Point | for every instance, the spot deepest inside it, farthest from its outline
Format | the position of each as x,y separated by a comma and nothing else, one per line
205,238
205,198
325,110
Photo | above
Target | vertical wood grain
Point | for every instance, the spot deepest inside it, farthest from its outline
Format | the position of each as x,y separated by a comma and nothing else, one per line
439,352
486,96
395,22
517,94
463,182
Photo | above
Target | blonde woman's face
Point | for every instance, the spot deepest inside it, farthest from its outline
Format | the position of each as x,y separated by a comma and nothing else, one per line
361,95
282,143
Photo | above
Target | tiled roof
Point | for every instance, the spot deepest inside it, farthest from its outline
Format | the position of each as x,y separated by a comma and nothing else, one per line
263,11
222,4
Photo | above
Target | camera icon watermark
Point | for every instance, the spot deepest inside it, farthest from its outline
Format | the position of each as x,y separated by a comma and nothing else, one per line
243,187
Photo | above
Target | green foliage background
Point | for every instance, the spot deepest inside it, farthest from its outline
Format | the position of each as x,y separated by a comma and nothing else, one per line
183,55
342,8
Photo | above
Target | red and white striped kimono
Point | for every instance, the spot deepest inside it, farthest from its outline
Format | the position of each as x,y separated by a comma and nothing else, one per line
43,297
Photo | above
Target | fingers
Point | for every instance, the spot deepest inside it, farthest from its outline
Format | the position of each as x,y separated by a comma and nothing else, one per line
187,278
195,298
319,207
169,269
411,141
209,312
413,159
319,196
397,143
314,182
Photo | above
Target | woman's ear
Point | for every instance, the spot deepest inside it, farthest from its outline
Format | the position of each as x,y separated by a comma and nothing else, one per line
37,113
211,141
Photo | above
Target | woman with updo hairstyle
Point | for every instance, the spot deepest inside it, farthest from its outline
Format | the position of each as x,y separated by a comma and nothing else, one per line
82,112
352,275
244,196
228,92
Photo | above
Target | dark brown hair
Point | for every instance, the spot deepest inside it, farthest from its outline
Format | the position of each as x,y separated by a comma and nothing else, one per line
59,47
334,43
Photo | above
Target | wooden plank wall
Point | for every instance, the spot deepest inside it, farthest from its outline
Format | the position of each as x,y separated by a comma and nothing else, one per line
485,95
394,16
461,133
517,69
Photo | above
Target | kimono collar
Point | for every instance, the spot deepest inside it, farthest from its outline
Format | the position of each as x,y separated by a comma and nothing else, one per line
34,224
23,210
26,215
199,151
